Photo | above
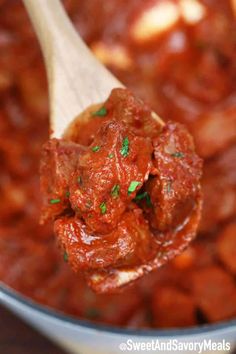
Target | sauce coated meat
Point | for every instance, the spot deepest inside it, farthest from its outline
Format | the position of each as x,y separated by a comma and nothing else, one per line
129,201
186,72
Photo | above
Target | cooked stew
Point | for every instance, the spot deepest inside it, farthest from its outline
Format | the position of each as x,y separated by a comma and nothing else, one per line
128,202
184,68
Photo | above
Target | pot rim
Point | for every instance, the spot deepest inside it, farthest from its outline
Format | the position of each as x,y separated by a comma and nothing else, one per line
69,319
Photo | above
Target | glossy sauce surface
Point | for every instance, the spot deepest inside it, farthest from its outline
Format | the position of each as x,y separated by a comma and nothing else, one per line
127,203
186,73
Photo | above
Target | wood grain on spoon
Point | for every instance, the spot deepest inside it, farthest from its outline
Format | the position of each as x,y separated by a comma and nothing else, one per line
76,78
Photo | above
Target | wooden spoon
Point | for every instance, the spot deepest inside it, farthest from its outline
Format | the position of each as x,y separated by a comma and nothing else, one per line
76,78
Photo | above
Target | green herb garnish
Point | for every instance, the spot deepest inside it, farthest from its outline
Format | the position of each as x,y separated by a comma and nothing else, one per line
115,191
101,112
178,154
148,200
142,196
169,186
55,201
96,148
65,257
125,147
111,156
67,194
103,208
133,185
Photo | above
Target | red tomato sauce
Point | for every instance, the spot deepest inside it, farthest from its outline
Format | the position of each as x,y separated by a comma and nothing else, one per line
185,73
127,203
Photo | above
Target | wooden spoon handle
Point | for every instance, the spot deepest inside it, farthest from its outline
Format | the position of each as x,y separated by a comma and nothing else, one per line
76,78
51,24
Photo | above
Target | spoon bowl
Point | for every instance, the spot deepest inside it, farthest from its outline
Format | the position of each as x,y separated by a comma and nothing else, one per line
76,78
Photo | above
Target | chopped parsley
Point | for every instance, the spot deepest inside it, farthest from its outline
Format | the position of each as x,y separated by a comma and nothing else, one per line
178,154
96,148
115,191
103,208
55,201
142,196
133,185
65,256
148,200
111,156
67,194
101,112
169,186
125,147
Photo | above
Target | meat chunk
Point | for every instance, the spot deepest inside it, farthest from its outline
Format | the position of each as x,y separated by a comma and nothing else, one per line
167,245
110,172
215,130
59,159
121,106
215,293
204,80
125,107
219,190
114,309
172,308
200,253
175,188
130,243
226,246
129,201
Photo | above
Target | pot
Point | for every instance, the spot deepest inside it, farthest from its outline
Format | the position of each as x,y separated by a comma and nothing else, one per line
84,337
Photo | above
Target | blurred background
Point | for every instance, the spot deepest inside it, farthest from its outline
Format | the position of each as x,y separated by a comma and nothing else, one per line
180,57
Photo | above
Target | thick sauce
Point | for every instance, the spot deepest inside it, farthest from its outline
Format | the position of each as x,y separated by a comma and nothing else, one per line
128,202
186,72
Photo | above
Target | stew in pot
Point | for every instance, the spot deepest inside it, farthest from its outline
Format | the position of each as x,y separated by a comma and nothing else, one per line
184,68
